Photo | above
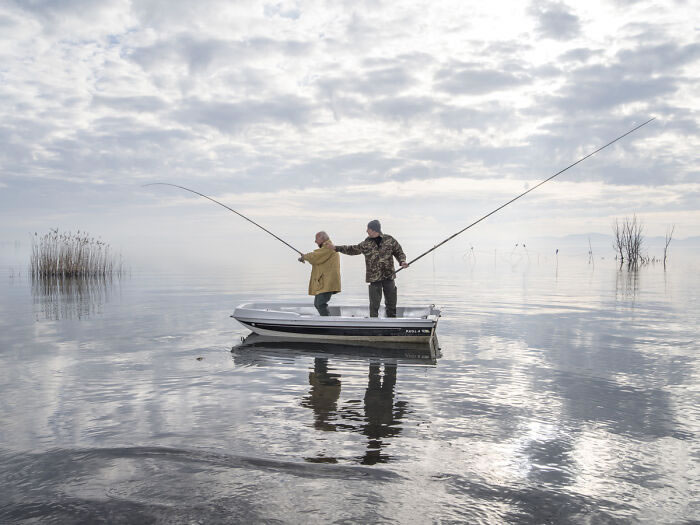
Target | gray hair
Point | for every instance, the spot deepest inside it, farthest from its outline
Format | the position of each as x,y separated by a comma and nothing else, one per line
323,235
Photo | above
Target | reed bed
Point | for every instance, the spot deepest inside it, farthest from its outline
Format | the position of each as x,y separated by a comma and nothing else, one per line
66,254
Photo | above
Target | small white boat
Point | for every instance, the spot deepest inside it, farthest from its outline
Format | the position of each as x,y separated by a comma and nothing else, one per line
415,324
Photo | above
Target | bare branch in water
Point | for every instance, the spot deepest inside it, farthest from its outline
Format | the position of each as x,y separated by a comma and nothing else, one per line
669,238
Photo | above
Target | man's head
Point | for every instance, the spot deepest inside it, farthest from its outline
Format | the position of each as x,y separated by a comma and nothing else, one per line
321,237
374,228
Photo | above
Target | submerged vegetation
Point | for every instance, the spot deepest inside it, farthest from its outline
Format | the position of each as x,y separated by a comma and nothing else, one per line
667,241
628,240
61,254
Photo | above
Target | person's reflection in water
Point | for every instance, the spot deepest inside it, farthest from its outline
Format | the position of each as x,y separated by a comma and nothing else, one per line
381,414
323,396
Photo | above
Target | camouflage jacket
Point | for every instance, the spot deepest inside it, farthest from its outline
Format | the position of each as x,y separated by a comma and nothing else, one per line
378,259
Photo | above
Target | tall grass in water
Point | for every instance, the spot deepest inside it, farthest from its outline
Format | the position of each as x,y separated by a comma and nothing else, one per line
58,254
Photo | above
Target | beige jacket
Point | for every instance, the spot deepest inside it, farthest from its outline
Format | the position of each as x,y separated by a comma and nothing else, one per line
325,270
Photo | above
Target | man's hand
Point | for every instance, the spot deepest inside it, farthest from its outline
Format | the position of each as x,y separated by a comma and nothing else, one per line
330,245
301,259
404,264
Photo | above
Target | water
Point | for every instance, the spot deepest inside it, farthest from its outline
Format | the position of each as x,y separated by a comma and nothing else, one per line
563,393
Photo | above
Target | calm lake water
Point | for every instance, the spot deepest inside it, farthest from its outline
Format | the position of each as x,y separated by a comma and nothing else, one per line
563,393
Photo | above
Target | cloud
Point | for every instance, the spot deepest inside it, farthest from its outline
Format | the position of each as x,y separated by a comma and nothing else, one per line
329,170
684,121
292,11
276,96
200,55
475,79
404,108
206,16
386,81
578,54
232,117
19,137
197,54
659,58
455,193
554,20
9,24
59,7
137,104
77,18
376,87
470,117
112,148
600,88
366,83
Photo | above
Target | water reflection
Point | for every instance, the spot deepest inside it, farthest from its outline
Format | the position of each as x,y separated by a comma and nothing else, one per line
382,414
627,282
378,415
57,298
257,350
323,395
557,401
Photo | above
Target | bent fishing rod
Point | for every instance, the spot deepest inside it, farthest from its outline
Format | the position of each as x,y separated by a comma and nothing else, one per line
228,208
523,194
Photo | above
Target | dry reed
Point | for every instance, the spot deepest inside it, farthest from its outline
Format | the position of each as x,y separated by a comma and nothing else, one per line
61,254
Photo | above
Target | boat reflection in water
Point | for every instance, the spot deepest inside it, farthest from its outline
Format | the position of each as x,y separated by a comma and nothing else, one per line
378,415
254,348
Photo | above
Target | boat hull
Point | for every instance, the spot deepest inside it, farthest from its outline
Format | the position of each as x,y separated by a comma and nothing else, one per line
294,320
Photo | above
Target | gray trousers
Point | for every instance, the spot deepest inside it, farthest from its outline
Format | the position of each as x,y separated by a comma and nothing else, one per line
375,297
321,302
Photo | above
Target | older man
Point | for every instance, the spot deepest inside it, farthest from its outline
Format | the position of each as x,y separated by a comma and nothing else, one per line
325,272
379,250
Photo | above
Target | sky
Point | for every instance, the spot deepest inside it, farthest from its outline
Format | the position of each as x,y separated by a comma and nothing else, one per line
323,115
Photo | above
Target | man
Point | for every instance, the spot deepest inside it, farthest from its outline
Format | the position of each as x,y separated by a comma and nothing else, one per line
379,250
325,272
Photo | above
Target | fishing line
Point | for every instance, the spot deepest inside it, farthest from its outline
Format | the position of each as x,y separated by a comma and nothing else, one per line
524,193
228,208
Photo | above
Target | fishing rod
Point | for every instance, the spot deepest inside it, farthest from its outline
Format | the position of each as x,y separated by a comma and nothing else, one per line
523,194
230,209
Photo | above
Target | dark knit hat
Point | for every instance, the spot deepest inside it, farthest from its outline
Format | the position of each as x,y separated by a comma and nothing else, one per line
375,225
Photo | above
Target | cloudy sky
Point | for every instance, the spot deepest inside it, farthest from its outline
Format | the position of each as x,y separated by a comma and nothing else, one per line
309,115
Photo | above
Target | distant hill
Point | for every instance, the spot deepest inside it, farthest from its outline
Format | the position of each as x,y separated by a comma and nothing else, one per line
602,244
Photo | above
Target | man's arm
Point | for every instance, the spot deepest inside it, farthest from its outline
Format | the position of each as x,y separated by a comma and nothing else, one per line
350,249
317,256
398,253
